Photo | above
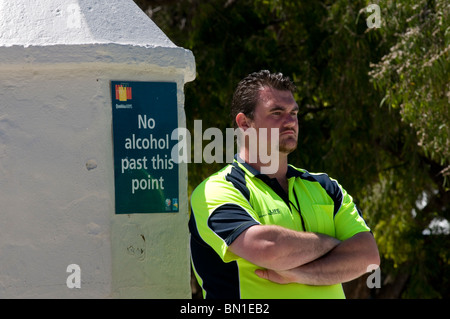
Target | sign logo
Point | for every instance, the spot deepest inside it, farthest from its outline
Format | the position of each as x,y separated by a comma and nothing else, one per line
175,204
123,92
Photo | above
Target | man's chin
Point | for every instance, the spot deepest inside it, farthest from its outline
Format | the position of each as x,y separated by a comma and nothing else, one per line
287,149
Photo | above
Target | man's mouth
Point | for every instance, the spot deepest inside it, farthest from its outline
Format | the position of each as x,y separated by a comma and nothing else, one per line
288,132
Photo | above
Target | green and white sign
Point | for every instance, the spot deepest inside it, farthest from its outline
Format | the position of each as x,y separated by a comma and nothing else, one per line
144,116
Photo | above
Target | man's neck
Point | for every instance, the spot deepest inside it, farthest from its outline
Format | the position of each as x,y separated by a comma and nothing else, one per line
281,165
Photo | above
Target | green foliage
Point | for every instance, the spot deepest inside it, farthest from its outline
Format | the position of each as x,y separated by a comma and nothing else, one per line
373,106
415,73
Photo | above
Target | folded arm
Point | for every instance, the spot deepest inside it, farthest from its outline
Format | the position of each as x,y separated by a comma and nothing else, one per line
345,262
279,248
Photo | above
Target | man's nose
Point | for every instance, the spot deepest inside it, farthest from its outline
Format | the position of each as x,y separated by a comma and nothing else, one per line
290,120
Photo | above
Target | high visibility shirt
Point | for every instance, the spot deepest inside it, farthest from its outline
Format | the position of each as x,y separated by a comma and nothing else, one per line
238,197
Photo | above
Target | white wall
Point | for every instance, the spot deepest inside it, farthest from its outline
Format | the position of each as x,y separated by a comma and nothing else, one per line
56,158
50,22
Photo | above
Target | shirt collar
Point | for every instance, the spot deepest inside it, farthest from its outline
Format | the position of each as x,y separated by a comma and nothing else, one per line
291,171
249,169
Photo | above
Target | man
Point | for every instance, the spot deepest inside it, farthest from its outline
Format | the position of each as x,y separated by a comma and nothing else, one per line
287,234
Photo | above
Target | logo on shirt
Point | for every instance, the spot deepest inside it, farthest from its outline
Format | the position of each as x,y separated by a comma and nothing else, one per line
274,211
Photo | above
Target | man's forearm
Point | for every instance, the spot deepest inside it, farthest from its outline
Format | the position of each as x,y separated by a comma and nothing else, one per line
279,248
349,260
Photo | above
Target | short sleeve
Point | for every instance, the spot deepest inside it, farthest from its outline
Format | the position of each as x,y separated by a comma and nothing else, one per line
221,214
348,219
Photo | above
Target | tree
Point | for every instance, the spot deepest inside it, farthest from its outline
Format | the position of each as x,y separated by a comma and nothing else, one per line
413,76
360,92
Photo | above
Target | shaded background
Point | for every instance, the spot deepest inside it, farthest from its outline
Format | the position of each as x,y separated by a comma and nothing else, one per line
374,111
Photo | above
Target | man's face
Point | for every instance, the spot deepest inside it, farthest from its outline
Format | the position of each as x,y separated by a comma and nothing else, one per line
278,109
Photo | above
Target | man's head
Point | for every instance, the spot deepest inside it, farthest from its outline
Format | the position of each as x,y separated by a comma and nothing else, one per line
265,100
247,93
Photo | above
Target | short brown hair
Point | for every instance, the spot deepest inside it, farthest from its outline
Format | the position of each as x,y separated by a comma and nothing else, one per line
245,96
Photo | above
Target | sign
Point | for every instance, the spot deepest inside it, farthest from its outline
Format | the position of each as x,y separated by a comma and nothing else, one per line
145,176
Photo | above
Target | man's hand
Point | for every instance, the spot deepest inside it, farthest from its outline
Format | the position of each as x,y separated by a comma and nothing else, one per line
280,276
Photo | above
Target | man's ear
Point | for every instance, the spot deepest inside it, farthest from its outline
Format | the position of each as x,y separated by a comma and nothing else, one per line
242,121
